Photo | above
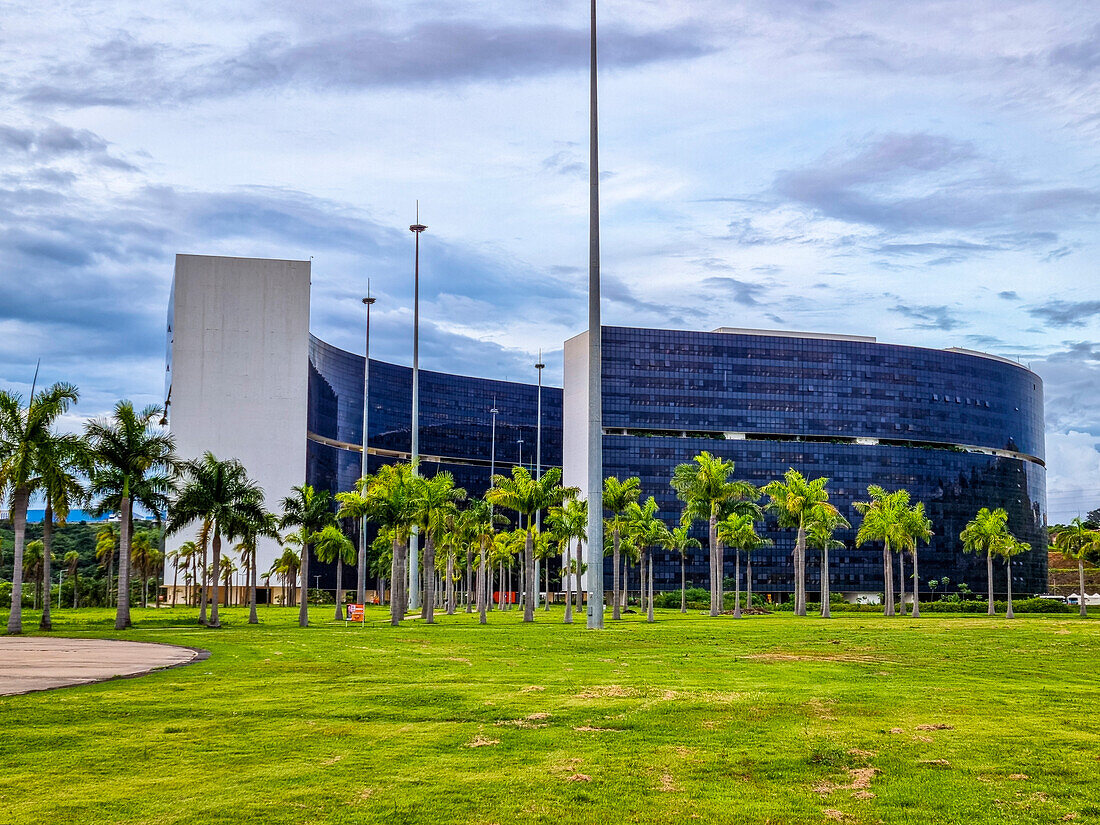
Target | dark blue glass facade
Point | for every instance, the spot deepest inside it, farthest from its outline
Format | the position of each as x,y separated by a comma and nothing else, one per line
856,412
455,423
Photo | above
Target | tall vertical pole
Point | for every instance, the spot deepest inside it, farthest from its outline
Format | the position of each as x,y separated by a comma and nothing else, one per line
361,584
414,563
538,470
595,366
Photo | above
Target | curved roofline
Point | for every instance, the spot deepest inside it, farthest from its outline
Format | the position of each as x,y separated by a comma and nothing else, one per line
545,386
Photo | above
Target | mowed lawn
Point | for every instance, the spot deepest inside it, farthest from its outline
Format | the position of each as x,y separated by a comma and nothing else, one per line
767,719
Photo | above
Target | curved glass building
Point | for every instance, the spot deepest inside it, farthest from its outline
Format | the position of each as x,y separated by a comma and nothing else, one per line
960,430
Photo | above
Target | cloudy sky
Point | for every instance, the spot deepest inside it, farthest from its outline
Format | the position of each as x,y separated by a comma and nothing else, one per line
925,172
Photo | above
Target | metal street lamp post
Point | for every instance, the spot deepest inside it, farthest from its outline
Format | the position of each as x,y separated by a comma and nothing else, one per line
595,363
414,563
361,584
538,469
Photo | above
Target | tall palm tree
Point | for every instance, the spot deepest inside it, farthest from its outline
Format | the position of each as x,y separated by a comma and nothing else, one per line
678,540
479,515
353,505
331,545
25,433
259,524
183,556
1007,547
819,533
391,505
527,495
310,511
569,521
227,569
286,568
982,535
883,518
616,496
221,493
738,531
32,565
435,500
131,454
72,567
793,501
708,493
1079,542
916,527
143,555
646,530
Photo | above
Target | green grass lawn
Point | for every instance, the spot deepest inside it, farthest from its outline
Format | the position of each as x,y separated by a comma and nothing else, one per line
769,719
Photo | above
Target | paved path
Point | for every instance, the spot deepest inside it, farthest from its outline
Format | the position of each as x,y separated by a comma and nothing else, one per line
40,663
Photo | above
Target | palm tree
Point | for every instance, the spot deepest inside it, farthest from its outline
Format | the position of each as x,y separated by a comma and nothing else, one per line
1006,548
708,494
331,545
435,500
25,434
479,516
645,530
616,496
739,532
143,557
391,504
678,540
286,567
793,500
982,535
32,565
883,517
72,567
1079,542
227,569
819,533
310,511
131,455
221,493
259,524
354,506
916,527
106,545
569,521
527,495
63,461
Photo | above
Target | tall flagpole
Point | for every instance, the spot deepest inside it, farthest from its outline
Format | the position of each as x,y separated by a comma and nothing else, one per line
595,367
414,561
361,571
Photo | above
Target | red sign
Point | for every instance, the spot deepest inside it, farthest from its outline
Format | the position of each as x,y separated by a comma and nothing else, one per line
355,613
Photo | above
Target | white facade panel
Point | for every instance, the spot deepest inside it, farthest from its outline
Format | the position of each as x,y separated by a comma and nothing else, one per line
239,360
574,421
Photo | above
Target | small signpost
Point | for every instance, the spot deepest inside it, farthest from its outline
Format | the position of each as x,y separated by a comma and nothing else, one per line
355,613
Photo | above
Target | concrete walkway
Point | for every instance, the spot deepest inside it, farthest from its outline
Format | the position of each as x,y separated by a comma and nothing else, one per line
41,663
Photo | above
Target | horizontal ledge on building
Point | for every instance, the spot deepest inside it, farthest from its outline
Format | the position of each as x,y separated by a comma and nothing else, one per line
403,455
786,438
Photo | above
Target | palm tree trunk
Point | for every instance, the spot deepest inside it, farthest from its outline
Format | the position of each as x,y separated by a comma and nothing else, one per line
339,587
110,578
125,531
916,586
568,587
303,571
615,612
546,578
482,589
748,580
46,623
715,605
887,581
800,572
901,579
19,501
469,581
252,617
396,611
1082,608
683,583
203,587
217,553
737,583
76,589
989,577
529,575
450,589
649,595
826,596
175,578
1008,571
579,592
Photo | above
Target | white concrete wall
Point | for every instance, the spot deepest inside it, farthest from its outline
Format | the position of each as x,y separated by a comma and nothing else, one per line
239,355
575,422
